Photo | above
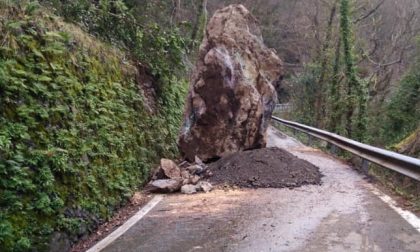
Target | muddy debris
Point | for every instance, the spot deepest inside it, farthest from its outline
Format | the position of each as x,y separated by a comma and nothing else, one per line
263,168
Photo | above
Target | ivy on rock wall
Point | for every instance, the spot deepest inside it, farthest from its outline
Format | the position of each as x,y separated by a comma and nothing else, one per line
75,138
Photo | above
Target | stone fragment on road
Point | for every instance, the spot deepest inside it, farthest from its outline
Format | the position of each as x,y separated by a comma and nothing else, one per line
232,92
164,185
204,186
188,189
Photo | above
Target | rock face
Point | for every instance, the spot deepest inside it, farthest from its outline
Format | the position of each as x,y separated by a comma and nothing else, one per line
231,95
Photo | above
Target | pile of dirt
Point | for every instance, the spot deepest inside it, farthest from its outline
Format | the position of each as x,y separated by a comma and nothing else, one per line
264,168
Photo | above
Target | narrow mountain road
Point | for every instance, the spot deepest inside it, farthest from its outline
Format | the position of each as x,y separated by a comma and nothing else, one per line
343,214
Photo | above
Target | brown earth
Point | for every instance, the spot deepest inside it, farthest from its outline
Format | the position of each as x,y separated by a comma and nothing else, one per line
264,168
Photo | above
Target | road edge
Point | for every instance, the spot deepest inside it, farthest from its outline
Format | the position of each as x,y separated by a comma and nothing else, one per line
408,216
127,225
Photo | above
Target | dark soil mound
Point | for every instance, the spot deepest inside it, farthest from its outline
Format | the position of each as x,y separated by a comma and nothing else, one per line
269,167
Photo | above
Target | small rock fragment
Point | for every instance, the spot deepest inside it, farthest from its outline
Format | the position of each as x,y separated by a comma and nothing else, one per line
209,173
186,181
204,186
158,173
170,169
185,174
188,189
165,185
198,161
194,180
183,164
195,169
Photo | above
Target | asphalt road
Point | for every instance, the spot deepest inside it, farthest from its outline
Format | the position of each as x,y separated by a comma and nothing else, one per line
343,214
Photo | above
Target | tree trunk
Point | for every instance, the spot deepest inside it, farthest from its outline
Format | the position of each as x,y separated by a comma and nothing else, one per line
335,91
200,23
320,99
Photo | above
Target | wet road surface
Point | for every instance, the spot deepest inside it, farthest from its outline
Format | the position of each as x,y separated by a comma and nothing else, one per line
340,215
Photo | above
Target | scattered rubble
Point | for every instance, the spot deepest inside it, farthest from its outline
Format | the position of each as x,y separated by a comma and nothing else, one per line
232,92
261,168
185,177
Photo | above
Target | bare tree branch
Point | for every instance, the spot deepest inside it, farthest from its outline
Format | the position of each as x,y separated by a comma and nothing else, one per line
369,13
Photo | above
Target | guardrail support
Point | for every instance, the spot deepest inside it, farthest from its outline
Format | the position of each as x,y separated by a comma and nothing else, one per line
334,149
365,166
310,139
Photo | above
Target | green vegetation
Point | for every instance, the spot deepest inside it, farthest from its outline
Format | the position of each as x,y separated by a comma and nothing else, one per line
124,27
403,109
75,137
355,97
330,93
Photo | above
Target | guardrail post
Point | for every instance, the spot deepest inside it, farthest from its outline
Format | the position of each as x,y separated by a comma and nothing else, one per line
334,149
365,166
310,139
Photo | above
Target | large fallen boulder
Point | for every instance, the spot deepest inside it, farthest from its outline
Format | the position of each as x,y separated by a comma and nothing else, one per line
231,97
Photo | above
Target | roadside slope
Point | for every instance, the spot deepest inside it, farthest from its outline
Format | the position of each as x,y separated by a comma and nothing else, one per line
76,137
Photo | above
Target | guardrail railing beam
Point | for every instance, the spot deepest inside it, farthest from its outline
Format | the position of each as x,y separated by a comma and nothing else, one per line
403,164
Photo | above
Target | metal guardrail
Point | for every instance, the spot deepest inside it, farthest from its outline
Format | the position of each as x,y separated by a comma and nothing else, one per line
406,165
283,107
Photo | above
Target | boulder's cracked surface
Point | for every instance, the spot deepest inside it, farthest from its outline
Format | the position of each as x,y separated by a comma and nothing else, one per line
231,96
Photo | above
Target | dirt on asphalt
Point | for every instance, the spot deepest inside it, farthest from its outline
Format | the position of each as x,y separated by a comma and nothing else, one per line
263,168
137,201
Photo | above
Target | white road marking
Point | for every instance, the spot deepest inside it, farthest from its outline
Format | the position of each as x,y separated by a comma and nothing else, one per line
127,225
411,218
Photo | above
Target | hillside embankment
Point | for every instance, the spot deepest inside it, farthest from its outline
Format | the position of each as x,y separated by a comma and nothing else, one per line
79,130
